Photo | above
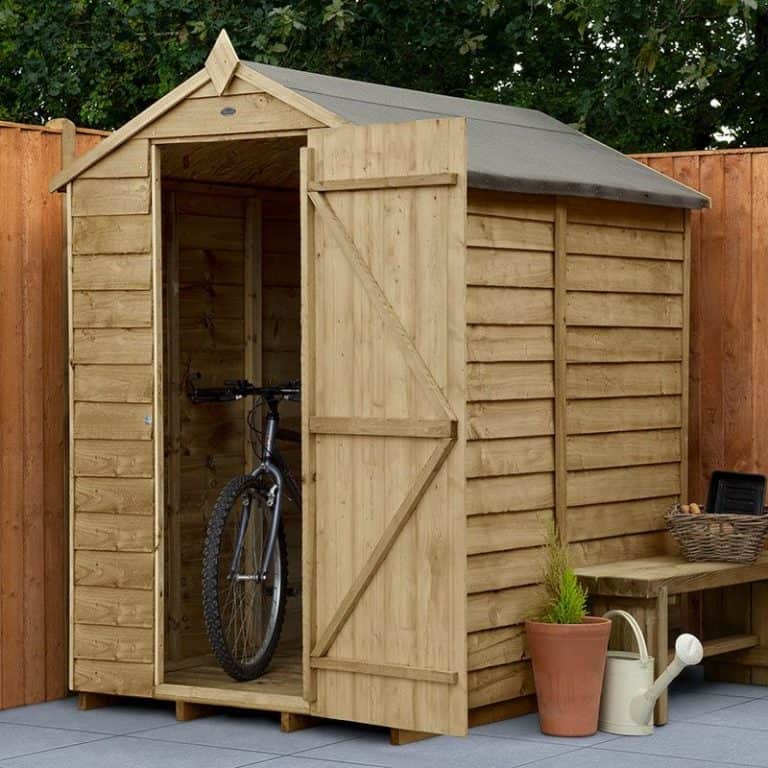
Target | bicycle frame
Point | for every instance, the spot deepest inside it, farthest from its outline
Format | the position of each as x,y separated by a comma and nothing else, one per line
273,464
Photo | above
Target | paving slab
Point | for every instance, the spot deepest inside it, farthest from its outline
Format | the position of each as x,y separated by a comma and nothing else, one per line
752,715
596,758
130,752
124,716
712,725
696,741
443,751
689,705
24,739
527,728
692,679
252,731
296,761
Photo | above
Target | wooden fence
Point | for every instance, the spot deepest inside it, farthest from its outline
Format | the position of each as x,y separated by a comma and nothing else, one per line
728,396
729,310
33,486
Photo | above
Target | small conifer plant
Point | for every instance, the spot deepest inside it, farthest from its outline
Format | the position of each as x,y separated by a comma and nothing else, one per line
566,599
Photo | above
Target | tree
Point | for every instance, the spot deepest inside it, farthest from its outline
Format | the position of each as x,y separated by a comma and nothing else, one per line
641,76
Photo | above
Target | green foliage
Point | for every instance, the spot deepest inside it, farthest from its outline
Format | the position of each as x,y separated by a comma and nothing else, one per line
570,605
566,599
636,74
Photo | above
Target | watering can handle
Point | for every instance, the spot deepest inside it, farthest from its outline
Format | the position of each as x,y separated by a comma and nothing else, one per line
639,639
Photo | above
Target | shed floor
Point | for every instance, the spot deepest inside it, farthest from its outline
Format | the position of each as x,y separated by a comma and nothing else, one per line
283,675
711,724
272,691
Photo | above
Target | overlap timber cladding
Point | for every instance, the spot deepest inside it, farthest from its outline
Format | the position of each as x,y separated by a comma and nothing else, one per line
621,399
33,495
112,356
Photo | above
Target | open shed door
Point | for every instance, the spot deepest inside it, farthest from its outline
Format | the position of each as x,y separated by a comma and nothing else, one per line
383,398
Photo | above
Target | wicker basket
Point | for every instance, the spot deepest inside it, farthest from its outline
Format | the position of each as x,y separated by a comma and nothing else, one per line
724,538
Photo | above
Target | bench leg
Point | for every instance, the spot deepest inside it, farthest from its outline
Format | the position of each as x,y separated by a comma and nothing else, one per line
661,653
759,674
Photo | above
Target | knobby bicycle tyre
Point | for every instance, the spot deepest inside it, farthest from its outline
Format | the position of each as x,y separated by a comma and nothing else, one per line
222,510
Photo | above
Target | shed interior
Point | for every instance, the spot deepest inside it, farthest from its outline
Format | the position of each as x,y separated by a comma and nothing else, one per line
231,273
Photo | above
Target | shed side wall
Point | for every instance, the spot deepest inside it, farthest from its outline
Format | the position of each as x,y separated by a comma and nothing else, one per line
621,396
510,427
626,376
113,456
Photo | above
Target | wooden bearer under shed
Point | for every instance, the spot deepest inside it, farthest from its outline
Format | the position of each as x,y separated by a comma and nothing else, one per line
488,339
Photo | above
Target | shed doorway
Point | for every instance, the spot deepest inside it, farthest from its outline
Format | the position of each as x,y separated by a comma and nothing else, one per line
231,283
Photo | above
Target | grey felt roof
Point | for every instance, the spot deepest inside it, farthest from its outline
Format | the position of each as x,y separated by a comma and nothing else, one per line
509,148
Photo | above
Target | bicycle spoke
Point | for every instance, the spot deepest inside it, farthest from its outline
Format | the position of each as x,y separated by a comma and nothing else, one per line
244,612
248,608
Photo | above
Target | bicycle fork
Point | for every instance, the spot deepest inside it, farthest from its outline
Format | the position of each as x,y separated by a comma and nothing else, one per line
273,502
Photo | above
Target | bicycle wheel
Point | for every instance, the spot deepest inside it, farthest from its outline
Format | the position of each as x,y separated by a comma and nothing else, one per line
243,616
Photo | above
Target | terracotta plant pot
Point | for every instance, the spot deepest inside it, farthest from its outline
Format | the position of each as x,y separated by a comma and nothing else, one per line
568,667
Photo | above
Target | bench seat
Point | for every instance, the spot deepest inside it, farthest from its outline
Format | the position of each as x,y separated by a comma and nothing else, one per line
643,588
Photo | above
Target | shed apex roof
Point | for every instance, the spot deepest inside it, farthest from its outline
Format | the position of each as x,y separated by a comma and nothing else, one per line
509,148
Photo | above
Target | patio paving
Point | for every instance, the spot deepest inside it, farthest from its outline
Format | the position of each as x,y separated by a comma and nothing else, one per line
711,724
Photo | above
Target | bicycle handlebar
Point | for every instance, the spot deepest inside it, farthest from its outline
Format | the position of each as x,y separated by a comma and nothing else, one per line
240,388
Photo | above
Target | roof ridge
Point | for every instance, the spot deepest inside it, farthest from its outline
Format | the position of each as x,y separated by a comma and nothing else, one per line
569,132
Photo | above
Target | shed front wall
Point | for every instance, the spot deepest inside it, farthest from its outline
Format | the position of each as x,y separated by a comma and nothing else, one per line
112,359
116,431
576,388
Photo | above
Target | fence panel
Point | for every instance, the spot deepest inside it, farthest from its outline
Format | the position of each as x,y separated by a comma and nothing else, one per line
729,310
33,444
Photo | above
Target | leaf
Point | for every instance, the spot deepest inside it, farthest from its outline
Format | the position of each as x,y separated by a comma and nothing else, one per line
489,7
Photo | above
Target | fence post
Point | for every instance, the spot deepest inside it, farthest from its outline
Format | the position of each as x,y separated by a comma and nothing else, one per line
68,155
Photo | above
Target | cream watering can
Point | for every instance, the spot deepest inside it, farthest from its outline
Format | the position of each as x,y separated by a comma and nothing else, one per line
629,691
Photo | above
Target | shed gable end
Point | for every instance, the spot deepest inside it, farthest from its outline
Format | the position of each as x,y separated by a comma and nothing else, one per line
226,98
241,109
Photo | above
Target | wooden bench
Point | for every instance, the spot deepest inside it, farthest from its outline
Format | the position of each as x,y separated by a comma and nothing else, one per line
643,588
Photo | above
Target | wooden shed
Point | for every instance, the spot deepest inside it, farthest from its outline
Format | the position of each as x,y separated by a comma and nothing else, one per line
488,313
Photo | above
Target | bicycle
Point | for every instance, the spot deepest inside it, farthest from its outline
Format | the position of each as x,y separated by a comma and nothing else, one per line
245,563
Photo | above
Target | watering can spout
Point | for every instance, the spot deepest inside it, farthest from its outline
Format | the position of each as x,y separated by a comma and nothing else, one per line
688,651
